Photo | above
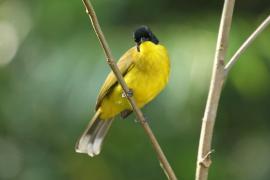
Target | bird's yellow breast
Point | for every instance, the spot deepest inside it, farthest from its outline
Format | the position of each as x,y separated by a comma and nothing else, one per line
147,77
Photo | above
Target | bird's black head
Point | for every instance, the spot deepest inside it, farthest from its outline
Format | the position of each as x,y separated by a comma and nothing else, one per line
143,34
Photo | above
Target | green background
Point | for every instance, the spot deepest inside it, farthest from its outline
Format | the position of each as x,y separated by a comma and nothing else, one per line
51,67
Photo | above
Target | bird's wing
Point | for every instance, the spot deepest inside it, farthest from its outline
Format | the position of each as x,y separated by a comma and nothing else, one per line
124,64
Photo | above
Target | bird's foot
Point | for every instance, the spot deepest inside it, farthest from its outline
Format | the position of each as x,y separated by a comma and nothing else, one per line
129,93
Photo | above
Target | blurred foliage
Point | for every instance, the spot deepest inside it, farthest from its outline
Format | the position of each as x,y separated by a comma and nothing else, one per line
51,67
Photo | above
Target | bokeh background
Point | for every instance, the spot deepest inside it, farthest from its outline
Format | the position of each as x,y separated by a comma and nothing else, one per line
51,67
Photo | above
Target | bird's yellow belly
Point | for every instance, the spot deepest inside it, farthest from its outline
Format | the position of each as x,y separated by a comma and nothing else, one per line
146,78
145,86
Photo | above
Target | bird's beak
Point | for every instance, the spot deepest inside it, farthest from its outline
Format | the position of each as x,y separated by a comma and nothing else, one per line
138,46
143,39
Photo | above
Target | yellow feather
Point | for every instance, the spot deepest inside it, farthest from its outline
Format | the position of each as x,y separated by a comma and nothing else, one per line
124,64
147,77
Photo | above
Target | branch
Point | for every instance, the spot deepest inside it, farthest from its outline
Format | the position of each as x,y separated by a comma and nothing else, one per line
139,115
208,122
245,45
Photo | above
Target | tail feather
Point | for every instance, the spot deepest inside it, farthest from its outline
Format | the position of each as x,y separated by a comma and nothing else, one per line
91,140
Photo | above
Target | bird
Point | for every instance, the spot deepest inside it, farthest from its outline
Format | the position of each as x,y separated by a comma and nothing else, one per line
145,68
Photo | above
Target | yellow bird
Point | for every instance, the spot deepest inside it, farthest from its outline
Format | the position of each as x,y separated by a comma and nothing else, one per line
145,68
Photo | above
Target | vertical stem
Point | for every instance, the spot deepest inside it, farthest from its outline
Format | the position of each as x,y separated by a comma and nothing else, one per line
208,121
139,115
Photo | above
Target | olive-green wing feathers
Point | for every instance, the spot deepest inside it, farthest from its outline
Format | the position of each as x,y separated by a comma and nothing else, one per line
124,64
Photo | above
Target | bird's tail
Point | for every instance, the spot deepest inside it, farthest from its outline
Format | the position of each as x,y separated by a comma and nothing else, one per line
91,140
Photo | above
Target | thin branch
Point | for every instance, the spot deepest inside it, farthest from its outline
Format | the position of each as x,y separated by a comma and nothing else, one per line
139,115
208,122
246,44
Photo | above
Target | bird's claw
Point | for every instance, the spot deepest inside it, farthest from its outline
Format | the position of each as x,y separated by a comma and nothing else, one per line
129,93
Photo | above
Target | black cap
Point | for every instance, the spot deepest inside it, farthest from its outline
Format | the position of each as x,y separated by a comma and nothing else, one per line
143,33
